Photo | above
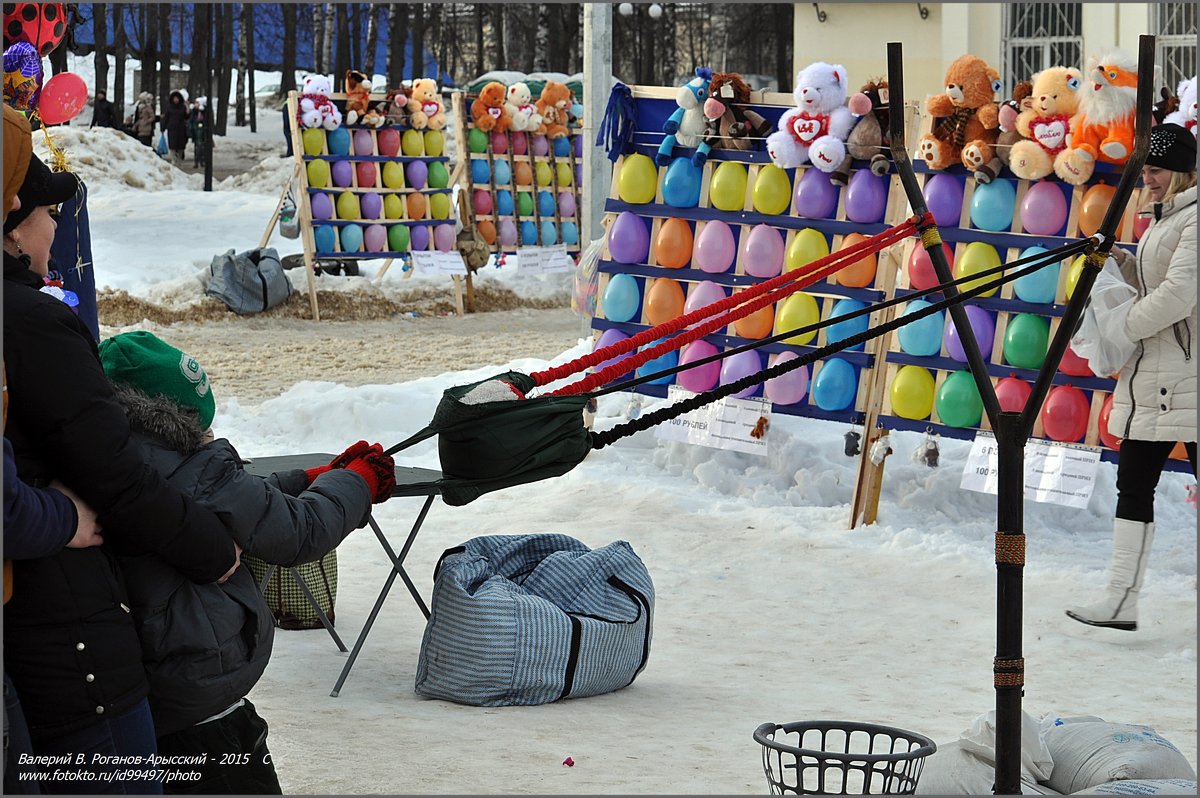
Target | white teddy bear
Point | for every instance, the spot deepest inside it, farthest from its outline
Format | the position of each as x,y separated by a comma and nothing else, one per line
815,131
1186,114
315,107
521,110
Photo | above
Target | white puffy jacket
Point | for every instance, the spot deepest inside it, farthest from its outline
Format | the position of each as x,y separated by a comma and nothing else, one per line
1155,398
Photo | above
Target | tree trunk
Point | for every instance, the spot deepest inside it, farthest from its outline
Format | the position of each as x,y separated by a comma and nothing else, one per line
354,37
479,54
118,95
669,66
164,54
541,46
197,74
372,40
341,58
149,18
328,29
397,35
499,59
318,38
248,21
239,114
288,81
100,29
418,40
783,47
224,68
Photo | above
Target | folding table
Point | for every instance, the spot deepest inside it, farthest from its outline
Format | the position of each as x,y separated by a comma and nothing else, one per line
410,481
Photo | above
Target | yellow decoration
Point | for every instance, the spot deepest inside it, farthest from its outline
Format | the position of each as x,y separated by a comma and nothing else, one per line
798,310
637,180
727,189
807,246
912,392
977,257
772,192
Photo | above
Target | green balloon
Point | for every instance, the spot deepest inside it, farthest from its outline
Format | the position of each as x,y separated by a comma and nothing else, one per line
1025,341
477,140
398,238
439,177
957,402
524,203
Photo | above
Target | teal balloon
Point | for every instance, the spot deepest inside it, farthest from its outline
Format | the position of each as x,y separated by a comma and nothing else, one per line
922,337
1039,287
545,203
681,184
835,385
325,237
503,172
993,204
504,202
479,171
622,298
667,360
845,329
570,233
338,141
549,234
352,238
529,234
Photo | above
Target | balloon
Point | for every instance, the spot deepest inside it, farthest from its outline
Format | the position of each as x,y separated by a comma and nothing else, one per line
393,207
1037,287
351,238
738,367
347,206
1073,365
977,257
912,392
681,184
542,174
371,206
1065,414
318,174
435,143
866,197
438,176
1044,209
922,337
439,206
772,190
529,234
807,246
524,203
992,205
417,205
501,172
983,327
548,233
366,173
541,148
636,179
477,140
1025,341
628,239
325,238
412,144
562,174
42,25
944,197
481,201
375,238
322,206
789,388
1073,275
488,230
388,142
566,204
1091,210
714,249
1140,223
545,203
343,174
338,140
835,384
398,238
859,273
700,378
578,146
570,233
667,360
757,325
420,238
1012,393
958,402
673,244
23,78
727,189
845,329
622,298
762,251
481,173
1106,436
504,203
520,143
702,294
562,147
607,338
312,139
816,196
508,234
393,174
499,143
798,310
363,143
921,275
523,174
443,238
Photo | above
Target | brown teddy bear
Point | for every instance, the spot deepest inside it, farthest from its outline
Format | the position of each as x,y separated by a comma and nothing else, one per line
729,124
554,107
966,116
488,110
1045,122
870,139
394,107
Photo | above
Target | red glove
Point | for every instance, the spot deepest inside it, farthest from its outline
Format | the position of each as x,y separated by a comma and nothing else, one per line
378,470
312,473
356,450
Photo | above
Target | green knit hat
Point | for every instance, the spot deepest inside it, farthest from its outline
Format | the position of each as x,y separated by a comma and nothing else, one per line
147,362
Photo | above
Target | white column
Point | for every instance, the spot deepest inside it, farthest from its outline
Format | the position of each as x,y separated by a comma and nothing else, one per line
597,83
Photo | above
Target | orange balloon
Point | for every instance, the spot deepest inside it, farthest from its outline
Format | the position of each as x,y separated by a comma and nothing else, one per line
861,272
673,244
416,205
757,325
487,230
1093,207
523,173
664,301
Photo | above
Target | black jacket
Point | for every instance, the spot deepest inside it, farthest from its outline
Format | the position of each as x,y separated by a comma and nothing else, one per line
37,522
205,646
175,122
104,114
68,619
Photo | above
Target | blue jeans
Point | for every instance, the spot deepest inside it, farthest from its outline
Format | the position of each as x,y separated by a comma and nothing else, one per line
130,734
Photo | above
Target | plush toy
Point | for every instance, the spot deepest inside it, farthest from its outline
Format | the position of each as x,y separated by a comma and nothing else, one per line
575,115
315,109
1185,115
394,107
967,116
1103,127
488,110
424,107
1045,122
358,95
730,125
815,130
521,110
870,138
686,126
1009,136
553,106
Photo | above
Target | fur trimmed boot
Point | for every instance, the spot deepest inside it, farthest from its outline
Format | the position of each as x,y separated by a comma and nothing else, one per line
1131,550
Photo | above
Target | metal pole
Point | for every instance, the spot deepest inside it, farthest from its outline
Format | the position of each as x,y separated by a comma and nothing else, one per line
597,81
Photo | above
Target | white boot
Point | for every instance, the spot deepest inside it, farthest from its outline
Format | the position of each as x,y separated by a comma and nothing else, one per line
1131,550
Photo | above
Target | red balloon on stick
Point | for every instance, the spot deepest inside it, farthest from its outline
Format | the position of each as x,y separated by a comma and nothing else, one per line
63,97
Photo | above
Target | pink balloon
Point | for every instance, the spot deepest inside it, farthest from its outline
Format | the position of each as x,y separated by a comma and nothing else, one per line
701,378
566,204
481,201
762,251
443,238
866,197
921,275
540,146
499,143
608,338
703,294
1044,209
63,96
736,367
375,238
982,325
1012,393
520,144
714,249
362,142
508,232
816,197
790,388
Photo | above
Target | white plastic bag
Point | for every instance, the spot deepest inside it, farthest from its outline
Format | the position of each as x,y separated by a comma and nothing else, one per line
1101,337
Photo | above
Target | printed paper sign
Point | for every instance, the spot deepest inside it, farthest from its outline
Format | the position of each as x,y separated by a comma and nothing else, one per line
725,424
544,260
1055,473
439,262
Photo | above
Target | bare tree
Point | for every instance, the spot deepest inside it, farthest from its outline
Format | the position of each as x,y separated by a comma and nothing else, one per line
318,38
541,48
669,65
248,21
341,59
783,46
149,36
499,59
100,29
163,11
287,82
239,117
224,71
328,29
354,35
417,28
197,74
372,39
397,35
119,40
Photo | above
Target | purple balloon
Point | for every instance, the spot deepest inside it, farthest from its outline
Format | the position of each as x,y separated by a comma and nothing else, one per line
700,378
322,206
816,196
507,232
628,238
363,145
790,388
375,238
743,364
566,204
579,173
944,198
608,338
578,144
420,237
539,145
416,173
1044,209
866,197
443,237
703,294
762,251
983,326
371,206
343,173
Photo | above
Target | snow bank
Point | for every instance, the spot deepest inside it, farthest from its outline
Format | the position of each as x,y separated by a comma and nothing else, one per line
107,158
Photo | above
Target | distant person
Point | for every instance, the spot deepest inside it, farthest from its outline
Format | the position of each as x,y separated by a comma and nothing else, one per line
175,125
287,130
104,113
197,129
144,119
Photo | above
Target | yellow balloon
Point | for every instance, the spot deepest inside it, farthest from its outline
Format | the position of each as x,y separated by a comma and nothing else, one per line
912,392
977,257
637,180
435,143
393,175
439,206
1073,275
347,206
772,190
562,174
798,310
807,246
318,174
393,207
314,140
727,189
411,143
542,174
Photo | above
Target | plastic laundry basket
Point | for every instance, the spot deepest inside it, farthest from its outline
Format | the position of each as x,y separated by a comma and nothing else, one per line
833,757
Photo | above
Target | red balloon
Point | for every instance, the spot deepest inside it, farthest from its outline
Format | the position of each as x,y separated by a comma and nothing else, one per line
1106,437
1140,223
1065,414
1012,393
1073,365
41,24
63,97
920,268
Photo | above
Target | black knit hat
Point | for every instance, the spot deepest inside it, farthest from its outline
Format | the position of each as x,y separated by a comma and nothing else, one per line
41,187
1172,147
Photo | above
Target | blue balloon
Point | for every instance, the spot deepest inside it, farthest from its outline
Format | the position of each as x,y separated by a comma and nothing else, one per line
844,329
1038,287
529,236
562,147
681,184
924,336
570,231
325,238
622,298
549,234
503,172
352,238
338,141
479,171
992,205
545,201
504,202
835,385
667,360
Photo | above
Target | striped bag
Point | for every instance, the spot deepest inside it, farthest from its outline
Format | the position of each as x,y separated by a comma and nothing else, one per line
530,619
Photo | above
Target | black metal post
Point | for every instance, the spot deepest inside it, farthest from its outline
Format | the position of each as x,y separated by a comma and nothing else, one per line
209,109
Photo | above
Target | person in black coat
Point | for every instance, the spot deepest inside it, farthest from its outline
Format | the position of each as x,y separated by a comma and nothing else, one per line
104,114
175,125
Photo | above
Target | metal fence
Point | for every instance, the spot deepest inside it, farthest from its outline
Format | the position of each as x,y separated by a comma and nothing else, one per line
1175,49
1039,35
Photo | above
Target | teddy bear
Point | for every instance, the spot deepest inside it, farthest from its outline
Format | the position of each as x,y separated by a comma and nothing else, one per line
1010,109
314,108
730,125
1045,122
816,129
424,107
488,111
521,111
358,96
965,114
1185,114
394,107
1103,127
870,138
553,106
687,124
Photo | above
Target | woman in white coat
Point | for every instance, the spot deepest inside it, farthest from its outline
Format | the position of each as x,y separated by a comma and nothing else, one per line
1154,404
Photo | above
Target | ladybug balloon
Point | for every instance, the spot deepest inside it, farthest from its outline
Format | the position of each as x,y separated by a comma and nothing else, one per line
41,24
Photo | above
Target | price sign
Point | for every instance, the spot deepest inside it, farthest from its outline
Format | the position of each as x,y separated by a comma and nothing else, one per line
439,262
725,424
1055,473
544,260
